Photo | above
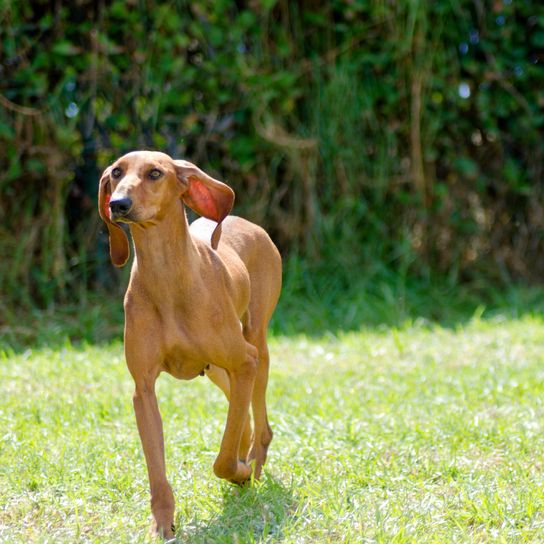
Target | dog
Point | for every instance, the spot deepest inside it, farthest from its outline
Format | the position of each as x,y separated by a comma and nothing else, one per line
199,301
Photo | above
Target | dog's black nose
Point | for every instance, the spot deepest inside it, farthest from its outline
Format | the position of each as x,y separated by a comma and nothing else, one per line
120,206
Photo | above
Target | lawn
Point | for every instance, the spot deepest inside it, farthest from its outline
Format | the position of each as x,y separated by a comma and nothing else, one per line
416,433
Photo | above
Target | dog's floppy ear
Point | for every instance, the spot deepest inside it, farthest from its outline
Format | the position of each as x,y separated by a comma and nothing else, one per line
119,249
206,196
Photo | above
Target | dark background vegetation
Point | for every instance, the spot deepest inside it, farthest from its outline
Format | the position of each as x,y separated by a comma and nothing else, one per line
388,147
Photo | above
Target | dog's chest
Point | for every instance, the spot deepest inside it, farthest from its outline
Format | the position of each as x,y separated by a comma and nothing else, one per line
190,345
178,364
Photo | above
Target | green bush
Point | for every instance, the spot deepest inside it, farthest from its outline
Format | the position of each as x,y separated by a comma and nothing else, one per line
360,133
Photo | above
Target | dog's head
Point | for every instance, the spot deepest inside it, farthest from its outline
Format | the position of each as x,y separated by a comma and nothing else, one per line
142,186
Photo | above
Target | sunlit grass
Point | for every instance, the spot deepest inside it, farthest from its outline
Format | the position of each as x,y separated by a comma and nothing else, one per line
411,434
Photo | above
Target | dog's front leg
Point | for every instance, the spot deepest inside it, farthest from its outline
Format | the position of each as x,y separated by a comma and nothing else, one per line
220,377
149,423
228,464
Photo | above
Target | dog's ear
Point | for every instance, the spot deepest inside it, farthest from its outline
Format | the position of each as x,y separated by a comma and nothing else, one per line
119,248
206,196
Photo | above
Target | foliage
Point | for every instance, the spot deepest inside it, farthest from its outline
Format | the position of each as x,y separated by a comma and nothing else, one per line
403,434
407,134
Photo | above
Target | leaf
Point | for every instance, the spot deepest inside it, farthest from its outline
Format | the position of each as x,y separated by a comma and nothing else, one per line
538,38
65,48
467,166
6,131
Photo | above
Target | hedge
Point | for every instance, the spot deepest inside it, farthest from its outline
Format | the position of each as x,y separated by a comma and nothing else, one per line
402,133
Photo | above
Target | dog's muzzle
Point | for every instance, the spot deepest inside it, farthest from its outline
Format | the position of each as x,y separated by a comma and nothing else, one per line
120,207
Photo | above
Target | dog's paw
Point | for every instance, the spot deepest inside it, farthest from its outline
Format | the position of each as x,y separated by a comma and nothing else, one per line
162,530
243,474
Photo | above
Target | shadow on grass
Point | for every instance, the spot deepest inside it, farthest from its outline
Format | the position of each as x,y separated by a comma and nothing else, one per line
383,305
315,302
311,304
251,514
98,319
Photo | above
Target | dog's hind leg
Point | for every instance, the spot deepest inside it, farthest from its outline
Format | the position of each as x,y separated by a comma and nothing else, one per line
262,433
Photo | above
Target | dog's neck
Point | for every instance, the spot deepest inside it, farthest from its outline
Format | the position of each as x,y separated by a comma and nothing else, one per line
165,249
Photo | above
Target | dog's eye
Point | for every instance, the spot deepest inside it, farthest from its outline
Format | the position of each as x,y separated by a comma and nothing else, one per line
154,174
116,172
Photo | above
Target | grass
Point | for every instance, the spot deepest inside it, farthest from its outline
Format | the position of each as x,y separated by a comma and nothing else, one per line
415,432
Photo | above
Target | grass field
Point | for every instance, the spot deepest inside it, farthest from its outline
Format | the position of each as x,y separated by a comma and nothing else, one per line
417,433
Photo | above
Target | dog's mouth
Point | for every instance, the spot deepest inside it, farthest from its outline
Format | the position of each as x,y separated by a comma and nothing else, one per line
126,216
132,217
123,218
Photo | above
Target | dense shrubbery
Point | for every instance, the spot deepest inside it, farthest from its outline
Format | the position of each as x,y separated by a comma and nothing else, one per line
360,133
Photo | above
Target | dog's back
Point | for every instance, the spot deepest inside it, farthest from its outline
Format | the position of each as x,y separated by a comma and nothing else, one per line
258,253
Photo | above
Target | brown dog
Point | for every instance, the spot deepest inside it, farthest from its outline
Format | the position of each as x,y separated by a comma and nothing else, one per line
193,305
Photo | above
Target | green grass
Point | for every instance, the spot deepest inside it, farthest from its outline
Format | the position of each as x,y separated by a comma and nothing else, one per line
417,433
